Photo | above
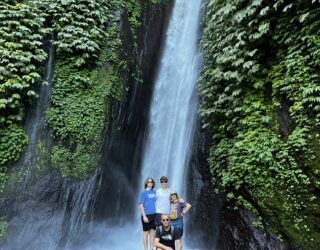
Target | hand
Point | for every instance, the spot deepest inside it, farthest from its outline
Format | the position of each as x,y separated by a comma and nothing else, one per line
181,200
182,214
145,219
168,248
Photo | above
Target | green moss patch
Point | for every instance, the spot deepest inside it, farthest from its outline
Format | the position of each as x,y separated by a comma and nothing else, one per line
78,116
13,140
3,229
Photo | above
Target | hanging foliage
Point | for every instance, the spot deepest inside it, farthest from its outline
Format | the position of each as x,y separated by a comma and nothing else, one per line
261,101
87,77
21,35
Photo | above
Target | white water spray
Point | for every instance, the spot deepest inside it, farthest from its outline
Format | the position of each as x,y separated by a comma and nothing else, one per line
174,103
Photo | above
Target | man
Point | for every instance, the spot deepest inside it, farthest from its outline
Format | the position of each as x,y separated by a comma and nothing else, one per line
167,237
162,200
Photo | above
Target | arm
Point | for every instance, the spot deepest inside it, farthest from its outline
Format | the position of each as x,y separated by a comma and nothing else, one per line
158,244
145,218
187,208
178,244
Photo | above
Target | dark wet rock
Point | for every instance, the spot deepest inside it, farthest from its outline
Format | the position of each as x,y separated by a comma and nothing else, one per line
237,232
206,206
285,121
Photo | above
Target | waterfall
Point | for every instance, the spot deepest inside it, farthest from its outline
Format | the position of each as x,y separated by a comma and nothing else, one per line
174,103
35,119
42,105
172,119
34,125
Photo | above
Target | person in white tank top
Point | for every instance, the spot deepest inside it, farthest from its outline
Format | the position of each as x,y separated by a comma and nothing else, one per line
162,200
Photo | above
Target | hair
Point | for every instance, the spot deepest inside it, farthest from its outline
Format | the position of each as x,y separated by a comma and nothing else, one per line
175,195
163,178
167,215
146,183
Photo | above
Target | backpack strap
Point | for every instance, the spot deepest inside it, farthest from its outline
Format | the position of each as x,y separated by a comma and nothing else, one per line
161,230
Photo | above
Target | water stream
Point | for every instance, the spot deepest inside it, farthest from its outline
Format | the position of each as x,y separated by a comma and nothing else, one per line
35,118
174,103
172,119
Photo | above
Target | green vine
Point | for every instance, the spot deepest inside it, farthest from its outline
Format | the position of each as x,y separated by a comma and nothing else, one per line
12,143
78,115
85,80
260,99
86,77
3,229
21,34
80,27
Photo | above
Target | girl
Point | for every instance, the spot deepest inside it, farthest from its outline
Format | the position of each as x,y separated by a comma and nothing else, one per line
148,212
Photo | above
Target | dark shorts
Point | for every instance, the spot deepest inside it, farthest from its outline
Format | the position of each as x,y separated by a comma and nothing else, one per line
158,220
151,224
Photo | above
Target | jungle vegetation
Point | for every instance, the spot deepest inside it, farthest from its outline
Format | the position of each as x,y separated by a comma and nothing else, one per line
260,90
259,87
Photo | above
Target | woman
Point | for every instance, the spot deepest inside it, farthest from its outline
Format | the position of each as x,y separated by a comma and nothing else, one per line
148,212
178,209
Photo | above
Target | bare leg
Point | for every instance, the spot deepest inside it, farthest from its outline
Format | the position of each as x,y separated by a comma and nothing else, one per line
151,233
145,240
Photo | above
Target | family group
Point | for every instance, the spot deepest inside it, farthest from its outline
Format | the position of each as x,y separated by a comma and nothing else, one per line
162,214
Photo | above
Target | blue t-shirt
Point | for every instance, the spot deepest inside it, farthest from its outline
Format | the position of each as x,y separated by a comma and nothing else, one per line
148,199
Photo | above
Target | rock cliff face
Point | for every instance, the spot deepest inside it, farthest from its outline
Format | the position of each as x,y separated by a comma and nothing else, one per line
120,166
237,232
235,226
204,216
215,223
38,199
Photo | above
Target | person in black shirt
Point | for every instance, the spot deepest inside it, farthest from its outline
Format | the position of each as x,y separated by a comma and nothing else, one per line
167,238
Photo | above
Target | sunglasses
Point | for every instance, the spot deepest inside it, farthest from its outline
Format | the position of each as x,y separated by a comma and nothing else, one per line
163,181
165,220
149,181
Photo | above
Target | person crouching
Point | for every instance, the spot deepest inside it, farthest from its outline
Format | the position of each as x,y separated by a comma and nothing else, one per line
167,237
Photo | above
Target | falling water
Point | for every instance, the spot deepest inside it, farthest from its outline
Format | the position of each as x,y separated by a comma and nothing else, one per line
171,121
174,102
35,127
36,119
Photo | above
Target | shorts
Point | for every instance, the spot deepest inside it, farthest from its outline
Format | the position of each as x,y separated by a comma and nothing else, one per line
158,220
151,224
178,226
